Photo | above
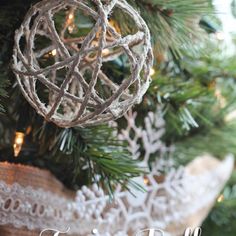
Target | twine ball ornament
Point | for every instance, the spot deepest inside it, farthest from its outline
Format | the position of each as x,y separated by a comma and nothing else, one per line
63,79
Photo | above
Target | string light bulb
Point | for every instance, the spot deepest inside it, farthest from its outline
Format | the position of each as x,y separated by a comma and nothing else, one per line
220,198
18,142
54,52
71,16
105,52
220,98
71,28
152,72
69,24
146,181
220,36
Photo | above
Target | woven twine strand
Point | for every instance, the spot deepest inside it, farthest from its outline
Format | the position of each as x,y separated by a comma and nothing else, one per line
28,71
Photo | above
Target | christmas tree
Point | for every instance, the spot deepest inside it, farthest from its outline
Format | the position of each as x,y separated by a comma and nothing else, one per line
78,130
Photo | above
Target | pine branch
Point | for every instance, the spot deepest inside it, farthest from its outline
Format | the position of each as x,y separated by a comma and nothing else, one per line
11,15
3,93
81,154
218,141
198,91
96,151
219,222
173,23
181,100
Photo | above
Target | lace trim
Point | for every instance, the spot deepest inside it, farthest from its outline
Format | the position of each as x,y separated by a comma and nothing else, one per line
159,206
33,208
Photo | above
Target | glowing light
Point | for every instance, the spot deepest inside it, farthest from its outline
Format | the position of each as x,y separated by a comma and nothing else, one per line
54,52
18,142
231,116
71,16
69,23
146,180
105,51
220,36
220,198
220,98
71,28
152,72
95,232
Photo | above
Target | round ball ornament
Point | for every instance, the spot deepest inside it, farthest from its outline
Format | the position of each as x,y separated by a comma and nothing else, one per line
60,52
